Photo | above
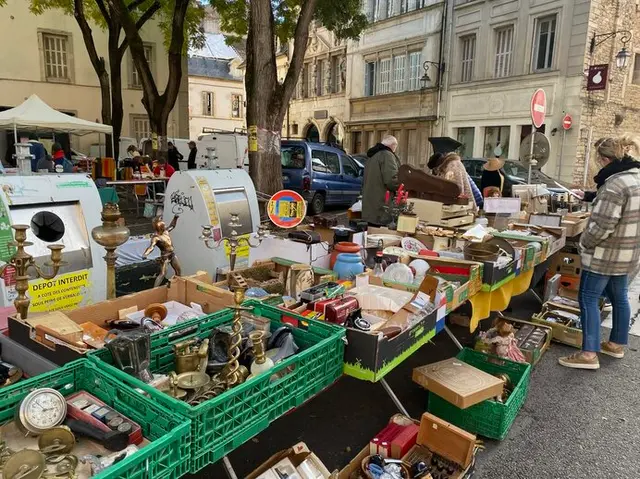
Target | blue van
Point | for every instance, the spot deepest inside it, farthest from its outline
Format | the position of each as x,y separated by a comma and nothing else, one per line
322,174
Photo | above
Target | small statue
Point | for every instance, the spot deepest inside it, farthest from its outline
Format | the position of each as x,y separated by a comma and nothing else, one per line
162,240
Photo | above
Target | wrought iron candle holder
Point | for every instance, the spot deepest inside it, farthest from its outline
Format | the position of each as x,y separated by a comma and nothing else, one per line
23,262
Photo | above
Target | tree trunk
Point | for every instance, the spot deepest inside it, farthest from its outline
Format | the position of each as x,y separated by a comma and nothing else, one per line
159,129
105,97
115,65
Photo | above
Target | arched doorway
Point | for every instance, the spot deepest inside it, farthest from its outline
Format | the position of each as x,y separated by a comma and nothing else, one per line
335,135
313,134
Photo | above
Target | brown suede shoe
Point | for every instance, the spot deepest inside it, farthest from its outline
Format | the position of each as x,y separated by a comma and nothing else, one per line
579,361
613,350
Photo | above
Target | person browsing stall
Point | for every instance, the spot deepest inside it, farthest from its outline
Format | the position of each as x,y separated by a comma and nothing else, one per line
493,176
163,166
610,252
193,153
380,176
174,156
451,168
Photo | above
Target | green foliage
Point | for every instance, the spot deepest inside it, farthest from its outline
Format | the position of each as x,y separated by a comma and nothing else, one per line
193,21
343,17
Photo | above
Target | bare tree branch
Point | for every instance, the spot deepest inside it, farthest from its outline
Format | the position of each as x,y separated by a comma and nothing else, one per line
300,40
135,4
103,10
147,15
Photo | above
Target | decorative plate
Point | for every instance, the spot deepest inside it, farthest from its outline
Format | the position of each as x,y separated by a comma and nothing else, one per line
412,244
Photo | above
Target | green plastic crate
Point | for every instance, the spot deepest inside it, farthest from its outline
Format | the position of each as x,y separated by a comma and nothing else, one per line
220,425
488,418
166,457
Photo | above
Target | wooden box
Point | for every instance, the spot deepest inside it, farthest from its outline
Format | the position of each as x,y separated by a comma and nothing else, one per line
441,438
562,333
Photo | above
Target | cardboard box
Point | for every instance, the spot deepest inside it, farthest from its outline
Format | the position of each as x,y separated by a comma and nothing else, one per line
441,438
297,455
184,290
354,468
557,236
368,356
568,264
575,223
458,382
561,333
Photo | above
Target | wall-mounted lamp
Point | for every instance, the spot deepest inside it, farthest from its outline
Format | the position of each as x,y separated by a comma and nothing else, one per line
426,79
622,57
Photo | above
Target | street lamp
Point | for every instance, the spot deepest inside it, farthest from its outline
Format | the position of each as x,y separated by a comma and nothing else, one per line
426,79
622,57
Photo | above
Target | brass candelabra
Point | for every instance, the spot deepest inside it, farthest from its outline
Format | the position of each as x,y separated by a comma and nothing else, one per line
110,235
23,262
234,240
231,373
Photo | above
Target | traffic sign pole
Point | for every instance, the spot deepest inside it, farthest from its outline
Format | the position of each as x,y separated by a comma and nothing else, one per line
533,137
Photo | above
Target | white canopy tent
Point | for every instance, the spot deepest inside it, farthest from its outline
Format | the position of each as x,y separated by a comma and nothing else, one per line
34,114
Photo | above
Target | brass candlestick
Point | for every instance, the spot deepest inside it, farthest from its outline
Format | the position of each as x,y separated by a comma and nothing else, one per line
23,261
110,235
232,374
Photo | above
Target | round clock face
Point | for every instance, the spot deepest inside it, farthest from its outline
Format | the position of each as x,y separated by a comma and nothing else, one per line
43,409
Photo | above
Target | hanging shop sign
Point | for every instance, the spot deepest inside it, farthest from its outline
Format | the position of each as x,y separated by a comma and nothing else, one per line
597,77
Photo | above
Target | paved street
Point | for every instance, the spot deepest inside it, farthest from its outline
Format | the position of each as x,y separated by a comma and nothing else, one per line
575,424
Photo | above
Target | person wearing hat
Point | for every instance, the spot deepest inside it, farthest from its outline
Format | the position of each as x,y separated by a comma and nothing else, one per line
450,168
436,159
493,176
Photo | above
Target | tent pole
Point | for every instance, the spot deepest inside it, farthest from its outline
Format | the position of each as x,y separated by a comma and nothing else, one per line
15,133
113,147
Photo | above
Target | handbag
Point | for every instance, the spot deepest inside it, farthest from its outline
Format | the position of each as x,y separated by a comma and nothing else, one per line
306,237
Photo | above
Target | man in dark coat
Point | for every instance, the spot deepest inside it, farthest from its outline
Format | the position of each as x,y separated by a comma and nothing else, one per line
174,156
380,176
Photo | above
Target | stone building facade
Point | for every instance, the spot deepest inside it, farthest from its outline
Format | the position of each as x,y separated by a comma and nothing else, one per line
385,68
319,107
499,53
616,109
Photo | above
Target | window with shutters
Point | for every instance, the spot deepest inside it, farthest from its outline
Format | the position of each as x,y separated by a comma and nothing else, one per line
384,81
370,79
140,127
320,66
398,72
376,10
636,69
414,71
544,43
311,86
467,57
135,81
504,50
237,106
56,56
207,103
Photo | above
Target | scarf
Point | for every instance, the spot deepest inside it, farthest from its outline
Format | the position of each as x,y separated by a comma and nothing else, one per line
627,163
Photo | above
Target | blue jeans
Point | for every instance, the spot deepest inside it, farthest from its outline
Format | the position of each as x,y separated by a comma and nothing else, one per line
592,287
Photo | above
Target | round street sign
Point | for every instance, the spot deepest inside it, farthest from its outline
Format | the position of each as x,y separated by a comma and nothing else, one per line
538,107
567,122
286,209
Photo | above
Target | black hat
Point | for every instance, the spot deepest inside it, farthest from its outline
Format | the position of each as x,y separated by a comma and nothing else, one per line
444,144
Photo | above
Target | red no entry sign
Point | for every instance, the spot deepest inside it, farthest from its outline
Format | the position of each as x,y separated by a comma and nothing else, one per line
538,107
286,209
567,122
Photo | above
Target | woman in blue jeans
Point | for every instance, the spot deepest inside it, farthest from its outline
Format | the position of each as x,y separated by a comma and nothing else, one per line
610,252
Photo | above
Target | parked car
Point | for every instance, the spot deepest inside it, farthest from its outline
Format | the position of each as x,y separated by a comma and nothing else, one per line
516,172
322,174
